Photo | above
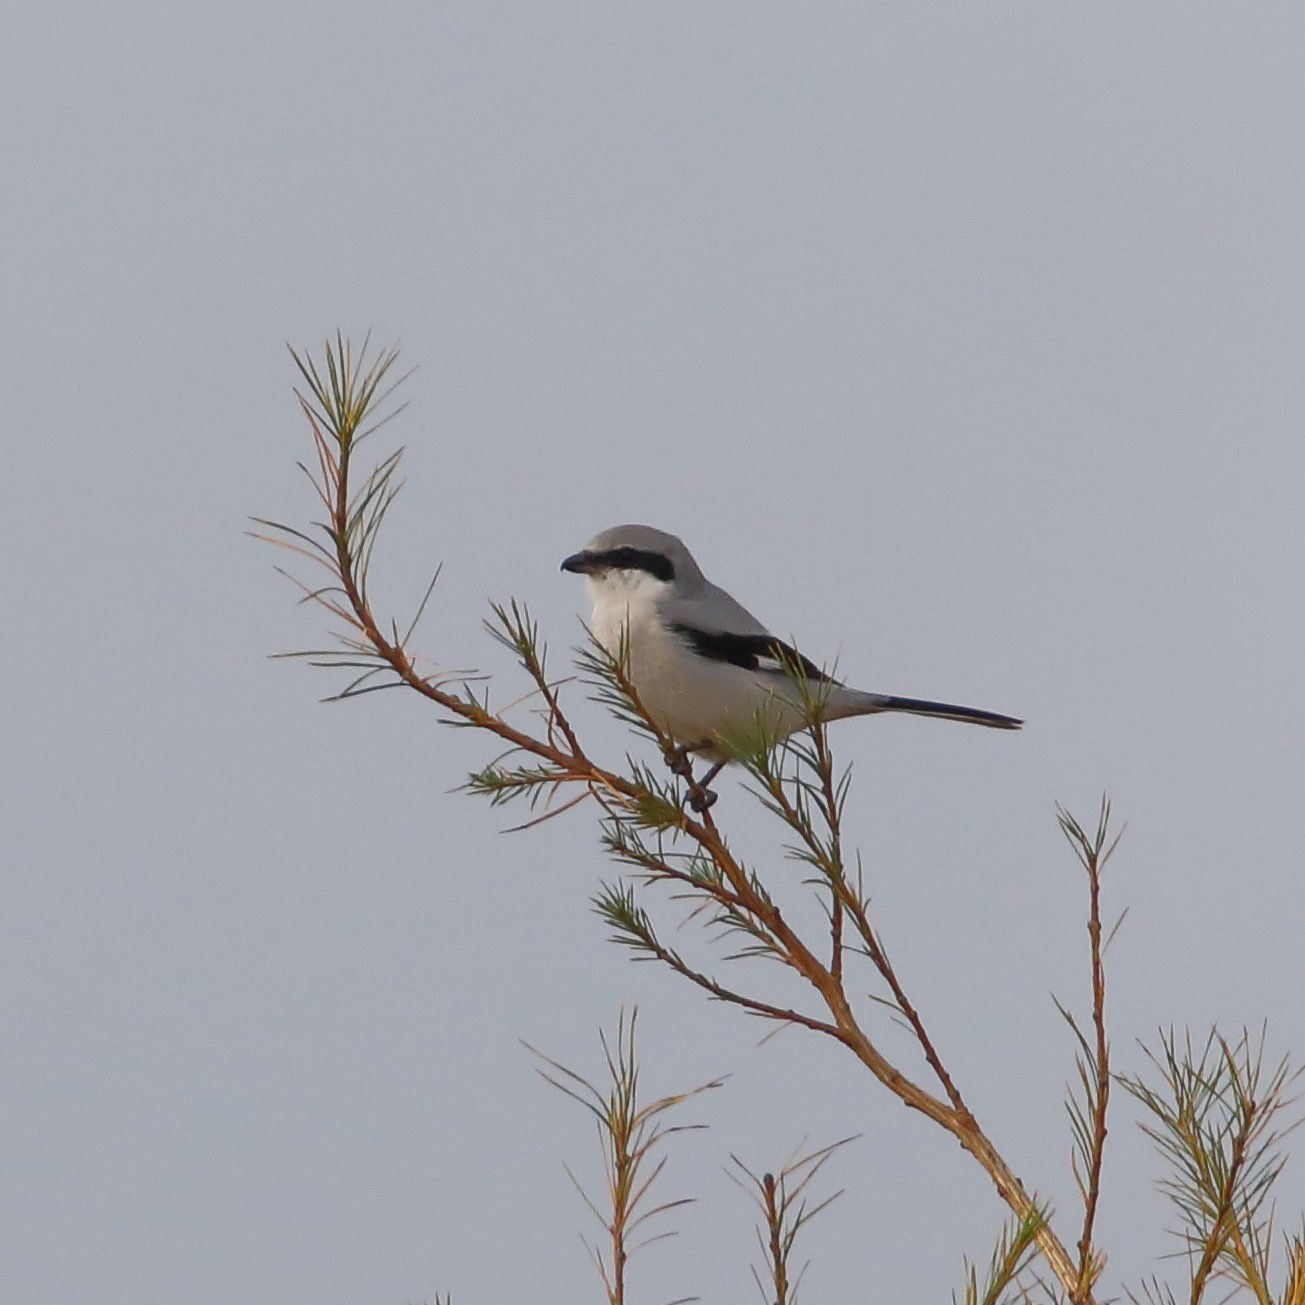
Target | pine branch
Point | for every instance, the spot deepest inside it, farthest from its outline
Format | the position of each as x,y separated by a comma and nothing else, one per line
785,1211
1088,1114
630,1132
648,828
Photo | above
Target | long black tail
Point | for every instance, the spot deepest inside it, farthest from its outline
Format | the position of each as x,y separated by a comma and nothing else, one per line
944,710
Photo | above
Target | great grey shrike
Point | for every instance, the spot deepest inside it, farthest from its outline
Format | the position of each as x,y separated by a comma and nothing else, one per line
703,665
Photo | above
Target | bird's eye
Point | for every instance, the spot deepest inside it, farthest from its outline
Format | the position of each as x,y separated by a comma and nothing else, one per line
628,558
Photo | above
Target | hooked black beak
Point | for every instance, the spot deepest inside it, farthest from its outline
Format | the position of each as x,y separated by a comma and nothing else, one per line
581,563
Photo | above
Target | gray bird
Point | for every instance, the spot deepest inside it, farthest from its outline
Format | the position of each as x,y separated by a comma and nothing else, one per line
703,665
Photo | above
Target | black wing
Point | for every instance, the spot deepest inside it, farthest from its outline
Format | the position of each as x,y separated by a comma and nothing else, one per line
753,652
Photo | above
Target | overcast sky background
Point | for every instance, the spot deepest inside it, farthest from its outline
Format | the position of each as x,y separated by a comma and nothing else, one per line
962,342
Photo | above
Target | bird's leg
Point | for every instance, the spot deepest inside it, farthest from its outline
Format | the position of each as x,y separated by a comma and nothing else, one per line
700,796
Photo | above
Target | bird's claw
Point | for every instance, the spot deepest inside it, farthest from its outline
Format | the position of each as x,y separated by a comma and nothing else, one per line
701,800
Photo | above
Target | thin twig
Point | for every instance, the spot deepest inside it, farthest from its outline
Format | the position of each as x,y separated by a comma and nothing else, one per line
1088,1261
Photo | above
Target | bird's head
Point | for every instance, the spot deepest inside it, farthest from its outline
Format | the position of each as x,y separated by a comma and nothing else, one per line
626,558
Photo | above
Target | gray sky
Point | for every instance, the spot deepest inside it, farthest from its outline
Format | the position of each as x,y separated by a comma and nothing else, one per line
960,341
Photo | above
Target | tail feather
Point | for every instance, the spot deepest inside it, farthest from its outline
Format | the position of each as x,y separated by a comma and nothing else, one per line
873,702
